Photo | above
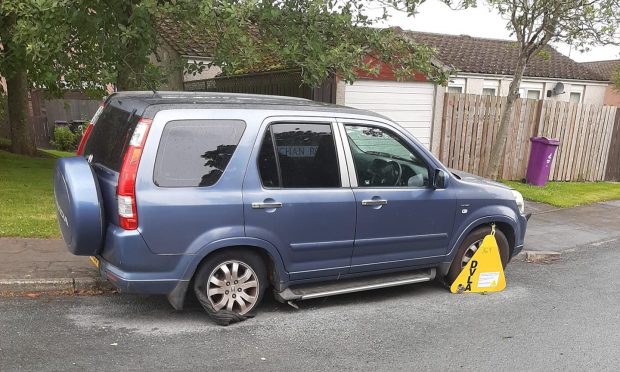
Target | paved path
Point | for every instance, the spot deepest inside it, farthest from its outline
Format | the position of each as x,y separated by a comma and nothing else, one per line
42,264
562,316
557,229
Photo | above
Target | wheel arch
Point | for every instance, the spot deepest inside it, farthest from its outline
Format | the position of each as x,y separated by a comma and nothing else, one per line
502,222
267,252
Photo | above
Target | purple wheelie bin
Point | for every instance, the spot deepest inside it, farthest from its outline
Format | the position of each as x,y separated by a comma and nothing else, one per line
541,157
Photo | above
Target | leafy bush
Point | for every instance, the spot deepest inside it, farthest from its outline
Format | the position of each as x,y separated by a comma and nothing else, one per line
64,139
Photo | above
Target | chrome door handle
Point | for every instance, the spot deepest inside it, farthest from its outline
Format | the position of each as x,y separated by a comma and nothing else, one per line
266,205
372,202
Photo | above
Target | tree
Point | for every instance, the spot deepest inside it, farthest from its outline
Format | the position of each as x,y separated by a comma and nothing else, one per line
61,44
85,44
615,78
536,23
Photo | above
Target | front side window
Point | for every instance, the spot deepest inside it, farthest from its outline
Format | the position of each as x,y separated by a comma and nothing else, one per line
196,152
306,156
382,159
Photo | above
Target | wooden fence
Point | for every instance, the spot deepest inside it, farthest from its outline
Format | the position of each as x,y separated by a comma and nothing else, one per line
73,106
470,123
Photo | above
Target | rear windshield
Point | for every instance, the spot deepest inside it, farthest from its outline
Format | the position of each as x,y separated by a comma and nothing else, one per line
110,136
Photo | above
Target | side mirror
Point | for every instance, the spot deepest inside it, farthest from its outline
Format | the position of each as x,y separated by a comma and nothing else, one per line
439,179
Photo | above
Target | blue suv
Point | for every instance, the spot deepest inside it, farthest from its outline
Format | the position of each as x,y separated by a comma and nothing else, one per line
227,195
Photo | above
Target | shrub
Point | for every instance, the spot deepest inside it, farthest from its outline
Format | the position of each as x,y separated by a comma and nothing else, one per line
64,139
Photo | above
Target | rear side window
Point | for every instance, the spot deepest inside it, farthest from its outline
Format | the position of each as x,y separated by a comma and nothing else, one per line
196,152
110,136
306,157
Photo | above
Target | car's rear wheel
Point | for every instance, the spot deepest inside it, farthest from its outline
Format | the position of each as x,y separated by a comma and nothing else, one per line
230,285
470,245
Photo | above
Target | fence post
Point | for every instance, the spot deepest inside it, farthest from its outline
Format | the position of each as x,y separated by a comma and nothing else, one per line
612,171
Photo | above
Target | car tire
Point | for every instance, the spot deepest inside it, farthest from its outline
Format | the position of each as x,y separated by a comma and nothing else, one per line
476,237
228,296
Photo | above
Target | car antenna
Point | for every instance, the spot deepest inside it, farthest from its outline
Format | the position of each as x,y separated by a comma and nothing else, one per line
153,89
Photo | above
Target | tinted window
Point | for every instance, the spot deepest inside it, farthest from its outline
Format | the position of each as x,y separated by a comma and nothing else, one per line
196,152
306,155
382,159
110,136
267,165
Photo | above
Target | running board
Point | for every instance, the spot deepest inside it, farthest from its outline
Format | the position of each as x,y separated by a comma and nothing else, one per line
324,289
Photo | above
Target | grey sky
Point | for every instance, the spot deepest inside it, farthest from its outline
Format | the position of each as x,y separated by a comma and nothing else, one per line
435,16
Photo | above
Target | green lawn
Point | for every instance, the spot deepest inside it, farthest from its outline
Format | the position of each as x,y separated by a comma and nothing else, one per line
26,197
568,194
55,153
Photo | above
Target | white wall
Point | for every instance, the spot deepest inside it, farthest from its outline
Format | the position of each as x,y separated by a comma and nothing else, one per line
474,86
207,73
594,93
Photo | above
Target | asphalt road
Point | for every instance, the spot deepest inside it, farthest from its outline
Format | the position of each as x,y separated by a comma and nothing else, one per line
559,316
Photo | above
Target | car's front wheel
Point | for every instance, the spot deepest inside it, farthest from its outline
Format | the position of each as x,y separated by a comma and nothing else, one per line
230,285
470,245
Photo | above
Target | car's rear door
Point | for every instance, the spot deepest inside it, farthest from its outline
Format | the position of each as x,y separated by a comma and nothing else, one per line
297,197
106,147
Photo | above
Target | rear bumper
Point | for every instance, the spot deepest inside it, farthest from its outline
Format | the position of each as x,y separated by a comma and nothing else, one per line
127,262
145,283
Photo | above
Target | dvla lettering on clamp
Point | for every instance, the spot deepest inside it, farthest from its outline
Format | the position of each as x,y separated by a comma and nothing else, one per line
484,271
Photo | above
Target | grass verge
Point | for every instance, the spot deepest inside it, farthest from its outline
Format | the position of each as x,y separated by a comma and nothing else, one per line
26,197
55,153
568,194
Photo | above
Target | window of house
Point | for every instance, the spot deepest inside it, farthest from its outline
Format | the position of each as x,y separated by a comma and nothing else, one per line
195,152
456,85
382,159
533,94
576,93
490,87
489,92
306,156
531,90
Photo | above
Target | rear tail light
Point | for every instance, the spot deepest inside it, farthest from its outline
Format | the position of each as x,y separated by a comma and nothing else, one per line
80,149
89,128
126,191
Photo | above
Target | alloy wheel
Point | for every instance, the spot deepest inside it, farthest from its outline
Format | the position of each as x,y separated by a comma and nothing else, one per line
233,286
469,252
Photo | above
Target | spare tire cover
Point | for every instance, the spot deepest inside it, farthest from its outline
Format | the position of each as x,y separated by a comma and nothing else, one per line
78,206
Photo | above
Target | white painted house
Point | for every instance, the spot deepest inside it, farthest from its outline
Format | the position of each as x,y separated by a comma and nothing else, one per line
484,66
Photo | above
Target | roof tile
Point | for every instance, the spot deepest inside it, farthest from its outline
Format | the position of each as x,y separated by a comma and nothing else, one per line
499,57
604,68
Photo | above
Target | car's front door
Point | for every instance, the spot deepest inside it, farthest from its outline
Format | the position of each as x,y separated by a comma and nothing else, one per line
296,196
401,220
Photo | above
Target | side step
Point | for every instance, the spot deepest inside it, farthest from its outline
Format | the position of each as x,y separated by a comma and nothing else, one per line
324,289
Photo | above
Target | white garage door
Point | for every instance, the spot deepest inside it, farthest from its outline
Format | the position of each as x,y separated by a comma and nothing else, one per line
410,103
